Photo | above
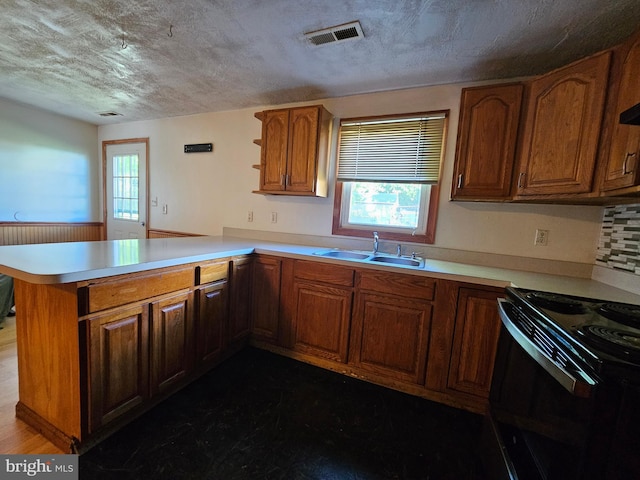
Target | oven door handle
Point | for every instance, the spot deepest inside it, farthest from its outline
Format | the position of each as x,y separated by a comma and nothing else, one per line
577,382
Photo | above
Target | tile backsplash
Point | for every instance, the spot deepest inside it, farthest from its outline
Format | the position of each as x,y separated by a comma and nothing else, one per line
619,244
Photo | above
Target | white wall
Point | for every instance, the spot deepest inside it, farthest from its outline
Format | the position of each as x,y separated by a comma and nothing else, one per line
49,167
206,192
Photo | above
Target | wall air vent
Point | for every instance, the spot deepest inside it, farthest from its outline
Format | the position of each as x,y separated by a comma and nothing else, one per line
339,33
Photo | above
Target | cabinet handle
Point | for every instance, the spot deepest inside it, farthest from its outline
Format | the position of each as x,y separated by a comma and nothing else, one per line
460,177
626,160
283,180
520,178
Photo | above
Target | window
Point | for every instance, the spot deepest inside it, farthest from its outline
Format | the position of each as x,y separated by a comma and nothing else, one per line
125,187
388,176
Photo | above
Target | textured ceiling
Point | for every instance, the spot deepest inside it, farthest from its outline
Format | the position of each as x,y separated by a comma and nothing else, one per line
67,55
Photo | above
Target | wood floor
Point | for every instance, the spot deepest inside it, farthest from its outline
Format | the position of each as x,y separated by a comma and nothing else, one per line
15,435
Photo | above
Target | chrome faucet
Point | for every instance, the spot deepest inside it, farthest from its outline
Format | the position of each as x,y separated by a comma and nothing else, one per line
376,242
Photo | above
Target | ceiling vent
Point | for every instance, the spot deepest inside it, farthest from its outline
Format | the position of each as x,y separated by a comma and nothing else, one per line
109,114
339,33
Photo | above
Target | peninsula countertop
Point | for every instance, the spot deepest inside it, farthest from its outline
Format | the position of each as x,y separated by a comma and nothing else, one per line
54,263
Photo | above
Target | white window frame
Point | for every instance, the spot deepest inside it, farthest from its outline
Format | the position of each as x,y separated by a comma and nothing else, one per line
421,227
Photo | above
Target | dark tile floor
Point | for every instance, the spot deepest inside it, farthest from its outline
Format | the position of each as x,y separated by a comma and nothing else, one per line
262,416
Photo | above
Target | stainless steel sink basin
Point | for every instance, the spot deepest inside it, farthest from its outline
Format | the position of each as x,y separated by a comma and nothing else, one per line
412,262
371,257
343,254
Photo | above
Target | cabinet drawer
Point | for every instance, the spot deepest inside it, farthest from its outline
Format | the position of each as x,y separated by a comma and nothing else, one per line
213,272
415,286
137,287
324,272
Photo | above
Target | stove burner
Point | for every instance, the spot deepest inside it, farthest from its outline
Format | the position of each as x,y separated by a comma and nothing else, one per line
622,313
556,303
621,343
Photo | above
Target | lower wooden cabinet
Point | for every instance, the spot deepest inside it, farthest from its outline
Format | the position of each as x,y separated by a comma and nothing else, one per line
118,364
239,322
266,297
172,341
320,306
431,337
390,336
475,340
146,349
322,319
211,318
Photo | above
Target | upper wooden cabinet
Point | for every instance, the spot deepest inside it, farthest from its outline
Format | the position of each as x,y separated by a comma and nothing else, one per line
487,133
295,144
622,164
562,129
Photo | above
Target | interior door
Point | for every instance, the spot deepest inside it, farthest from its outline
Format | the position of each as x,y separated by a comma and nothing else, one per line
126,190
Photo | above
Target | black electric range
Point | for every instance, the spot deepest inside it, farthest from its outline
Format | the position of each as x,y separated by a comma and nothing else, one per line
601,334
565,389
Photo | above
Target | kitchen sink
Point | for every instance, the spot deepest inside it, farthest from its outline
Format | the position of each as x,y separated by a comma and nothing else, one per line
371,257
343,254
411,262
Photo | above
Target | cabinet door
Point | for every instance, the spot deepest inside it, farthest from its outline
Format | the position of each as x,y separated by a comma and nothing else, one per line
623,166
211,320
240,309
303,149
390,335
171,341
322,318
487,135
562,129
475,342
266,297
273,162
118,364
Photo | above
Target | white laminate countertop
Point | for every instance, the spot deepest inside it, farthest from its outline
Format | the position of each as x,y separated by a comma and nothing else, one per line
53,263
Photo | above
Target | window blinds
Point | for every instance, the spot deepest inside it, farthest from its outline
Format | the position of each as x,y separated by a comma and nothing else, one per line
402,150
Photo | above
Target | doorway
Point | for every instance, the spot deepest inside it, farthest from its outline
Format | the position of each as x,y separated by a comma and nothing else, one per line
125,186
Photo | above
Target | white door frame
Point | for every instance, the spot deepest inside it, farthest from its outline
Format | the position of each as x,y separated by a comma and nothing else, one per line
106,143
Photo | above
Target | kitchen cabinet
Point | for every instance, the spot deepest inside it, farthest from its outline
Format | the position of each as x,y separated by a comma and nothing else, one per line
239,322
117,345
486,146
391,325
211,319
561,129
118,363
136,346
266,298
622,165
322,296
294,151
211,312
171,342
475,341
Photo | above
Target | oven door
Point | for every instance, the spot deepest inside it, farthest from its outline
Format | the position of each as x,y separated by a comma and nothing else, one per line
542,422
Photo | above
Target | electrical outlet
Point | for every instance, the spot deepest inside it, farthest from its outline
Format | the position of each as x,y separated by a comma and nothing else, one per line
250,216
274,217
542,238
